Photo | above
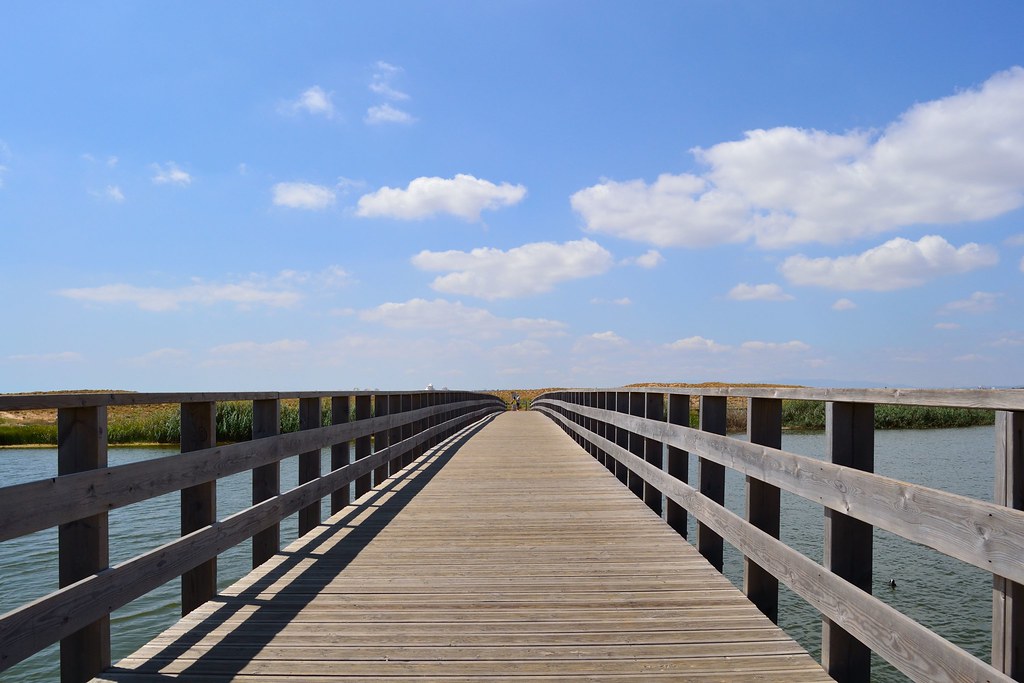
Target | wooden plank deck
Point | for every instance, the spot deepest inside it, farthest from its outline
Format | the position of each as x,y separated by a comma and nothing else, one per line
509,553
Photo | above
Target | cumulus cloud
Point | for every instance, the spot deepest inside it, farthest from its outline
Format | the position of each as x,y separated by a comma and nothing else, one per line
457,319
5,155
533,268
314,100
608,337
113,193
843,305
947,326
464,196
383,79
764,292
385,113
282,290
978,302
897,264
775,346
170,174
697,344
956,159
650,259
299,195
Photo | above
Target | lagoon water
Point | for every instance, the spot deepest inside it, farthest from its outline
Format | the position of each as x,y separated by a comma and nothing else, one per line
949,597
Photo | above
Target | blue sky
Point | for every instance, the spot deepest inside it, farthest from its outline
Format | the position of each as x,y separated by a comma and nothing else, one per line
284,196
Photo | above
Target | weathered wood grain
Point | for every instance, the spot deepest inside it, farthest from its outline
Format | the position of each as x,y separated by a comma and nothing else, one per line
516,555
33,506
28,629
910,647
983,534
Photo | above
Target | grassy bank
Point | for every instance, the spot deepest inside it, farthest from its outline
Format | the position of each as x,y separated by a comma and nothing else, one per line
161,424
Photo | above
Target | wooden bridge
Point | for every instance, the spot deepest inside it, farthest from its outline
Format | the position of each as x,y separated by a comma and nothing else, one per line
484,544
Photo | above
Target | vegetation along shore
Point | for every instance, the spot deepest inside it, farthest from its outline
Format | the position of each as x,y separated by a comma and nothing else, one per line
160,424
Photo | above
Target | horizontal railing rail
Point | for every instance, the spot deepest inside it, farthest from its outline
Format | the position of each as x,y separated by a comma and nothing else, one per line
643,435
402,427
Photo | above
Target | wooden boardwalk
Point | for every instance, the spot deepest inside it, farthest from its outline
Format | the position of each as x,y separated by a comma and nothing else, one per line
505,553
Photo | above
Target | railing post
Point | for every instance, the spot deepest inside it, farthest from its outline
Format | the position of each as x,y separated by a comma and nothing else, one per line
621,435
764,427
600,427
1007,595
340,453
609,430
407,430
381,406
712,477
395,433
636,443
678,461
850,441
362,443
310,417
199,502
266,479
654,450
84,543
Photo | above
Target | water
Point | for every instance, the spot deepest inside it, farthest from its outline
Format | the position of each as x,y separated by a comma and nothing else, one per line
28,565
945,595
948,596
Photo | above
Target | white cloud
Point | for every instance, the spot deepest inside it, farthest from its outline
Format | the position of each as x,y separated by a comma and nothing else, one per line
650,259
947,326
764,292
533,268
383,77
956,159
111,193
464,196
298,195
314,100
385,113
978,302
674,211
1012,339
843,305
282,290
59,357
457,319
775,346
971,358
1022,265
608,337
5,155
697,344
1015,240
897,264
170,174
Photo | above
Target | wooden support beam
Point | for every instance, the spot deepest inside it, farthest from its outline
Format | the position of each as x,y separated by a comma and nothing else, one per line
654,450
198,503
309,462
381,406
712,478
1008,595
764,427
850,442
83,544
678,461
363,448
340,453
266,479
395,433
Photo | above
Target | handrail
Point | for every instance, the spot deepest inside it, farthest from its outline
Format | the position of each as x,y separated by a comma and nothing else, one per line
631,432
405,425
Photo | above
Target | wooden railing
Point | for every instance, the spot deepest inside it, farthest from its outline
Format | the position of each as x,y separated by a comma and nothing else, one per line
401,425
643,435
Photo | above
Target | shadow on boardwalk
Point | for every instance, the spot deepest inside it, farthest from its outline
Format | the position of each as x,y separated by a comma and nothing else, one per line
287,603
